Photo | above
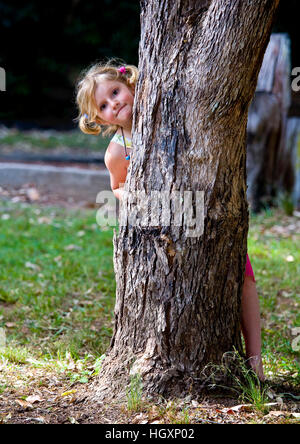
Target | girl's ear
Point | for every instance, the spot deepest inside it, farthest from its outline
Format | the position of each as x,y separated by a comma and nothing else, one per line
132,88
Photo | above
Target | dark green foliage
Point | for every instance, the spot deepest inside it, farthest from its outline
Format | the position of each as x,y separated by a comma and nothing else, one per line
47,44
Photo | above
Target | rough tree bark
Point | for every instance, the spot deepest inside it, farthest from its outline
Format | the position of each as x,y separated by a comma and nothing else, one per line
178,297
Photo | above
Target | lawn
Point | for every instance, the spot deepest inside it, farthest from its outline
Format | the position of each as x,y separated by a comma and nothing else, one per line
43,141
57,293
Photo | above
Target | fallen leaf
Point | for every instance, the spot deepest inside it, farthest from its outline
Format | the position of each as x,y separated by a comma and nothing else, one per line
86,303
285,294
68,393
72,420
7,417
44,220
140,416
276,413
243,408
238,408
72,247
40,419
10,324
24,404
229,411
295,331
34,398
296,344
32,266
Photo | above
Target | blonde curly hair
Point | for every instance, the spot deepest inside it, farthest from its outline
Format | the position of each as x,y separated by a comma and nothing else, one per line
88,119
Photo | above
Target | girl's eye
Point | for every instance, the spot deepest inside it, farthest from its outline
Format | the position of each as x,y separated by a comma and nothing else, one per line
115,92
102,107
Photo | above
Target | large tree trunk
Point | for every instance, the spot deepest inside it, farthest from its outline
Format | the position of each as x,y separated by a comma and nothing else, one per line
178,292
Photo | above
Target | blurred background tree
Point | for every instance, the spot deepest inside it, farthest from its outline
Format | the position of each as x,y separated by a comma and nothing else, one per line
45,45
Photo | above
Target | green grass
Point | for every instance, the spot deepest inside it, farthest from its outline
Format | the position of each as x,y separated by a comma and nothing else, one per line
56,281
134,393
16,355
52,139
242,381
276,263
57,291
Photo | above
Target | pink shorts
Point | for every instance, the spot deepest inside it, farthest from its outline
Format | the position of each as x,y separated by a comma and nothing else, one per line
249,271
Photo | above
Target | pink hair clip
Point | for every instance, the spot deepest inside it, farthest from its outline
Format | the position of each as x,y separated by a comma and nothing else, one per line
122,70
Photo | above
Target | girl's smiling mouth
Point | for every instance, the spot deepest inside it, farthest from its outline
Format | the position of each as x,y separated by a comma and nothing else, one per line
120,109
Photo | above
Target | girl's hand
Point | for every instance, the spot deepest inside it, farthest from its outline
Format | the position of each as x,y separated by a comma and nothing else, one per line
119,193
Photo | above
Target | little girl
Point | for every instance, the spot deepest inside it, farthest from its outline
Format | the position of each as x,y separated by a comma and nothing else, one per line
105,96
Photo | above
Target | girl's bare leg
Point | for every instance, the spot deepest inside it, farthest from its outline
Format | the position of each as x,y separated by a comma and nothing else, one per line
251,329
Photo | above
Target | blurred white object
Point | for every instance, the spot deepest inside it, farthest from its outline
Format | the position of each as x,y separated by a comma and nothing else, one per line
2,338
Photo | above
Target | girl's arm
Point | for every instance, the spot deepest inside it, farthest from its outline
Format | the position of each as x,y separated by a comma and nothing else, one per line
117,166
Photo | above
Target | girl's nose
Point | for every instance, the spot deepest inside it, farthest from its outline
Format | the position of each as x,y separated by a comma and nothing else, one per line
114,104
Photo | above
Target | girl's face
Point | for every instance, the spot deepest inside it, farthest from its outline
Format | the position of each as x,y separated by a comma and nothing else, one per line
114,102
